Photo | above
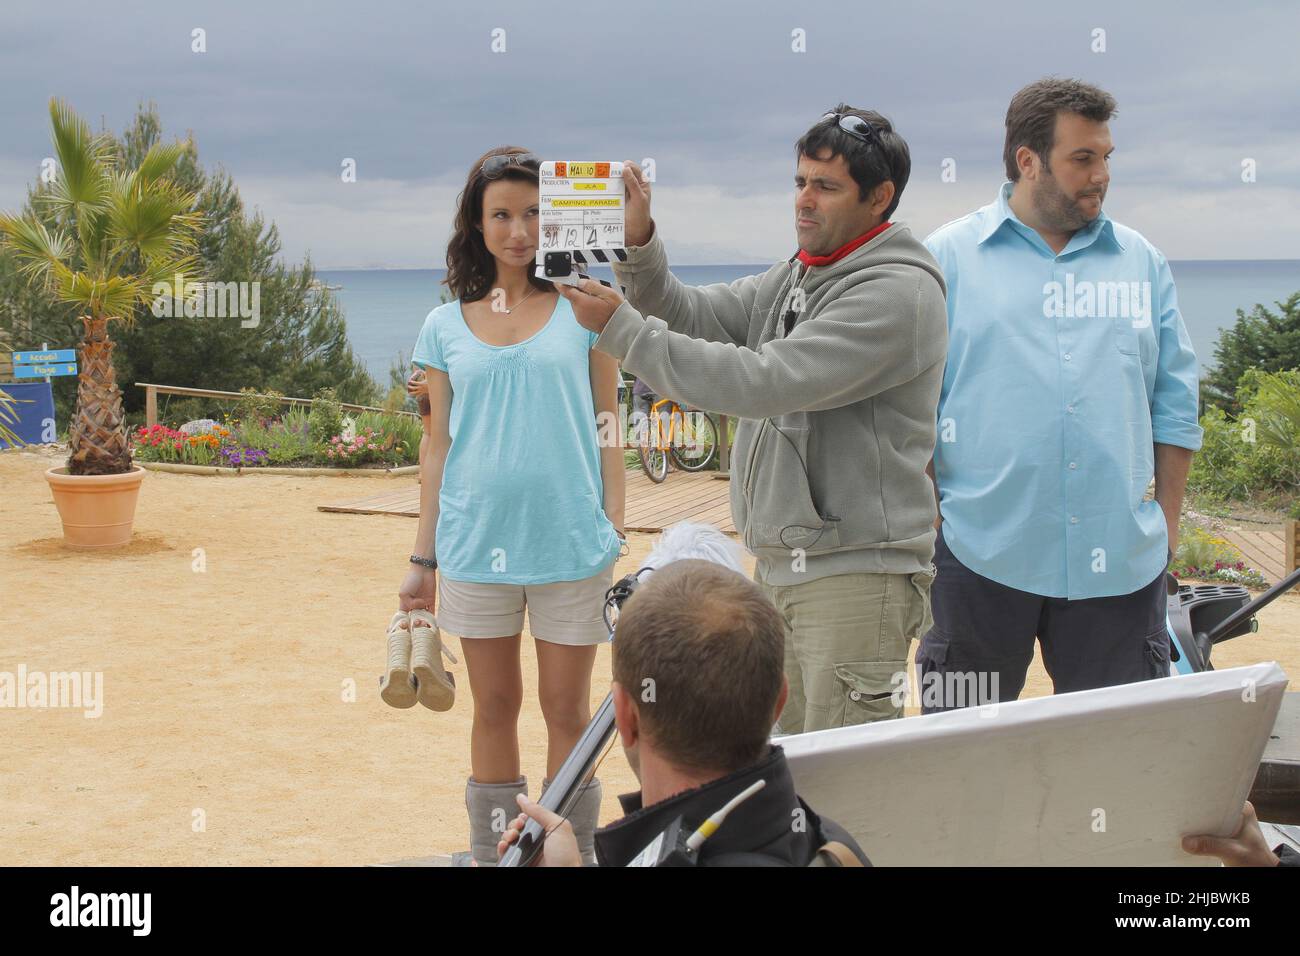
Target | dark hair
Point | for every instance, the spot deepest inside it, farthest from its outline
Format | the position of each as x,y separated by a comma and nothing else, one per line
714,647
471,269
1031,117
888,158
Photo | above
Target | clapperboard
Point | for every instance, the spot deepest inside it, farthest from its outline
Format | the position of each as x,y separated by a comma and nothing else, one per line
582,216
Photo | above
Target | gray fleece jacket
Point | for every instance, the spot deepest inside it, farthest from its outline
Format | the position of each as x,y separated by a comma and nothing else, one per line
837,417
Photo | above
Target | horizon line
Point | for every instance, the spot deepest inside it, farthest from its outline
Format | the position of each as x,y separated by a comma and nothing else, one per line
712,265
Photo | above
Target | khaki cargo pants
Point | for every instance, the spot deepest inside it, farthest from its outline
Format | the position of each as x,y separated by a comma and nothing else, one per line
846,646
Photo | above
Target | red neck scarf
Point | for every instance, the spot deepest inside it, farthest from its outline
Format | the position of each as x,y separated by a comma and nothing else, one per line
844,250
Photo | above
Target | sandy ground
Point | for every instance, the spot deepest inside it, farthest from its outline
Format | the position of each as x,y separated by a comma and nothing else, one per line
241,718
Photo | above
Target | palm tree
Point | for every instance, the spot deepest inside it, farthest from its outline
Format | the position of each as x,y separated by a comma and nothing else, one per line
116,234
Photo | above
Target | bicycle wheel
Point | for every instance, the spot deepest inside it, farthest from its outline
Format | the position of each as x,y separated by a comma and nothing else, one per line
698,442
654,460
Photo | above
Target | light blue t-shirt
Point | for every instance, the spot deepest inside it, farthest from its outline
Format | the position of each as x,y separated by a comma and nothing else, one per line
522,497
1064,371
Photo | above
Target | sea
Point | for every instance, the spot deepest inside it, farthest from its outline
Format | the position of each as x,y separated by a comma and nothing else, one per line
385,308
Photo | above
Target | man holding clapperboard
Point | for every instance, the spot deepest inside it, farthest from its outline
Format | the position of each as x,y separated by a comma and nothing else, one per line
833,361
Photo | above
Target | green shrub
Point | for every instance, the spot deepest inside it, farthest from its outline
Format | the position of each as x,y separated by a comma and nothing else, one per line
297,419
284,445
326,418
1271,410
1216,469
258,407
1259,451
408,428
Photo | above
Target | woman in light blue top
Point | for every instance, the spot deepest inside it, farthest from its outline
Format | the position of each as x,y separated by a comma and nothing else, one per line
521,503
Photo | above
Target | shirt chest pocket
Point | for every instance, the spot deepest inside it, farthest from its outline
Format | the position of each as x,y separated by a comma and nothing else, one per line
1124,331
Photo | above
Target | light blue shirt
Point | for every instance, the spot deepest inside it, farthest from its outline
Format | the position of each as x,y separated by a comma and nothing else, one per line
1063,371
522,501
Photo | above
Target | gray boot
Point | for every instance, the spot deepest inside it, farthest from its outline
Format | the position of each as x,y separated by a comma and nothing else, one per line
584,816
491,807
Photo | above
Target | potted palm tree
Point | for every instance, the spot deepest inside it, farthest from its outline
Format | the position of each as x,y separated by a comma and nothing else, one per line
116,233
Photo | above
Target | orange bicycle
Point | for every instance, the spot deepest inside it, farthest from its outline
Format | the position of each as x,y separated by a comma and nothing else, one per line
688,437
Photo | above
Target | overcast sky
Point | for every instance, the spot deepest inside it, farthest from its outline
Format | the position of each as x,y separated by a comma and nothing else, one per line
712,91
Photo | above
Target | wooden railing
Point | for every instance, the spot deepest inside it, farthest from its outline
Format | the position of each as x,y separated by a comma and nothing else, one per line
151,393
1291,541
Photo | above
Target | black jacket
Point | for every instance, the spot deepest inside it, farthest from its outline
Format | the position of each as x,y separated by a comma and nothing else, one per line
765,830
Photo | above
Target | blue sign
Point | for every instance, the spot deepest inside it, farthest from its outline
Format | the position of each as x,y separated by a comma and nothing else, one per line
45,358
43,371
34,408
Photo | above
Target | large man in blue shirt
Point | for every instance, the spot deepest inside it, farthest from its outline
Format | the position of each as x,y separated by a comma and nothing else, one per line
1070,382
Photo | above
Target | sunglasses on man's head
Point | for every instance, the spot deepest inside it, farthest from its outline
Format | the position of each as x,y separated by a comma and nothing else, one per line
855,126
494,166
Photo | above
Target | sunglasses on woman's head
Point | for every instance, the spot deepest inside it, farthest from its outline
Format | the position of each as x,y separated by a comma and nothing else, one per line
494,166
855,126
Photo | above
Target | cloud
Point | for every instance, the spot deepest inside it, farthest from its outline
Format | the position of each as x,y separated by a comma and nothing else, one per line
713,92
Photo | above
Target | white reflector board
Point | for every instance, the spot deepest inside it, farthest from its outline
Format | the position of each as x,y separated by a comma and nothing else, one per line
1108,777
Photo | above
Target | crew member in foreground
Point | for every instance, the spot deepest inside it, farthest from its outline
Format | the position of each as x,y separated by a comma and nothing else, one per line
698,681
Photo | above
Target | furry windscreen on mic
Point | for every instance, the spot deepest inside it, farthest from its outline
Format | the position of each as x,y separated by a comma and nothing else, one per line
692,539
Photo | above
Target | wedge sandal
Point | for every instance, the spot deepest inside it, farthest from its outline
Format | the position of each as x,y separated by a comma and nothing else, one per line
397,685
435,687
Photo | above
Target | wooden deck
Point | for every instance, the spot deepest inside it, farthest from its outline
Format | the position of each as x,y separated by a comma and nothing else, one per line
705,497
650,507
1264,550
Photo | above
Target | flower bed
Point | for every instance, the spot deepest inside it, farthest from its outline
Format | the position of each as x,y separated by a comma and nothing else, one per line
373,441
161,443
1204,557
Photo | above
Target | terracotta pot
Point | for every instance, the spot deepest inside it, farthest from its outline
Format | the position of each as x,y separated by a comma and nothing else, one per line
97,510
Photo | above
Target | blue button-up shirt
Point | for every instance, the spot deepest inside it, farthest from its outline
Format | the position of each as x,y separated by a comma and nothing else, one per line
1063,371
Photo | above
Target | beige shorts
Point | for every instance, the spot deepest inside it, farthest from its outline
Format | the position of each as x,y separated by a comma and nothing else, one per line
564,612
